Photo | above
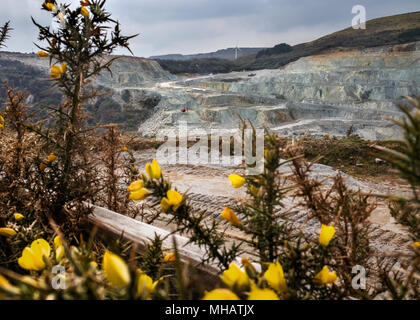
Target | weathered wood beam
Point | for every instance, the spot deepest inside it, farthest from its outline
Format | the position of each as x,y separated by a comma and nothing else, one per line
141,233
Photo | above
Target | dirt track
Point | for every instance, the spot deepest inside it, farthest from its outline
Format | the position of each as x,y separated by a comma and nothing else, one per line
209,191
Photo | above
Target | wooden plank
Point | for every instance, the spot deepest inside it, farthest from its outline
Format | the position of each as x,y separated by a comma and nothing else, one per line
142,233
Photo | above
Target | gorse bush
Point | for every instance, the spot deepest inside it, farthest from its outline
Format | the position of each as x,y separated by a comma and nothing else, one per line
49,172
4,33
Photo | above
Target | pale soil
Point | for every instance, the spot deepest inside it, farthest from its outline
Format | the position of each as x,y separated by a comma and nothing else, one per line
210,191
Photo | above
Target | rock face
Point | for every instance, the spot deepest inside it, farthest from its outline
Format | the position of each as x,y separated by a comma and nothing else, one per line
126,71
328,93
126,99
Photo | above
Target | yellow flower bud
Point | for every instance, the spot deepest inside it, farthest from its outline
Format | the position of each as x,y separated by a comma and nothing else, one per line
63,68
153,170
164,203
230,216
125,149
51,158
50,6
325,276
416,245
43,54
275,277
235,278
170,258
7,232
139,195
57,242
145,285
59,249
84,12
173,200
42,166
262,294
59,253
326,234
220,294
115,270
136,186
57,71
18,216
237,181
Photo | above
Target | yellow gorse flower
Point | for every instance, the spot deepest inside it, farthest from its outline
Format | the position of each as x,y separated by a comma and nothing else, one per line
57,71
325,276
59,248
115,270
18,216
416,245
33,257
230,216
51,158
173,200
237,181
7,232
43,54
262,294
235,278
145,285
137,191
84,12
220,294
170,258
139,195
42,166
153,170
125,149
326,234
136,186
275,277
1,123
50,6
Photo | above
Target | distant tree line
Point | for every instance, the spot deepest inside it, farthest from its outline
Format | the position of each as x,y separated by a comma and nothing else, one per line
198,66
278,49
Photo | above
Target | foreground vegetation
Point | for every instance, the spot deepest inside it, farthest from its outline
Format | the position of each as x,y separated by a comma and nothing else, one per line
50,176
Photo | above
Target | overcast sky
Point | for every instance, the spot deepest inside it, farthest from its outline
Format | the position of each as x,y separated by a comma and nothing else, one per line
194,26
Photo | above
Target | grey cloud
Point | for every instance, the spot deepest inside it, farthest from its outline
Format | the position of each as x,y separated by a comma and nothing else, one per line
190,26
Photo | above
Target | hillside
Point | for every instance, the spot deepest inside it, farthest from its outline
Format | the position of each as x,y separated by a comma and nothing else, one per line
227,54
397,29
125,99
